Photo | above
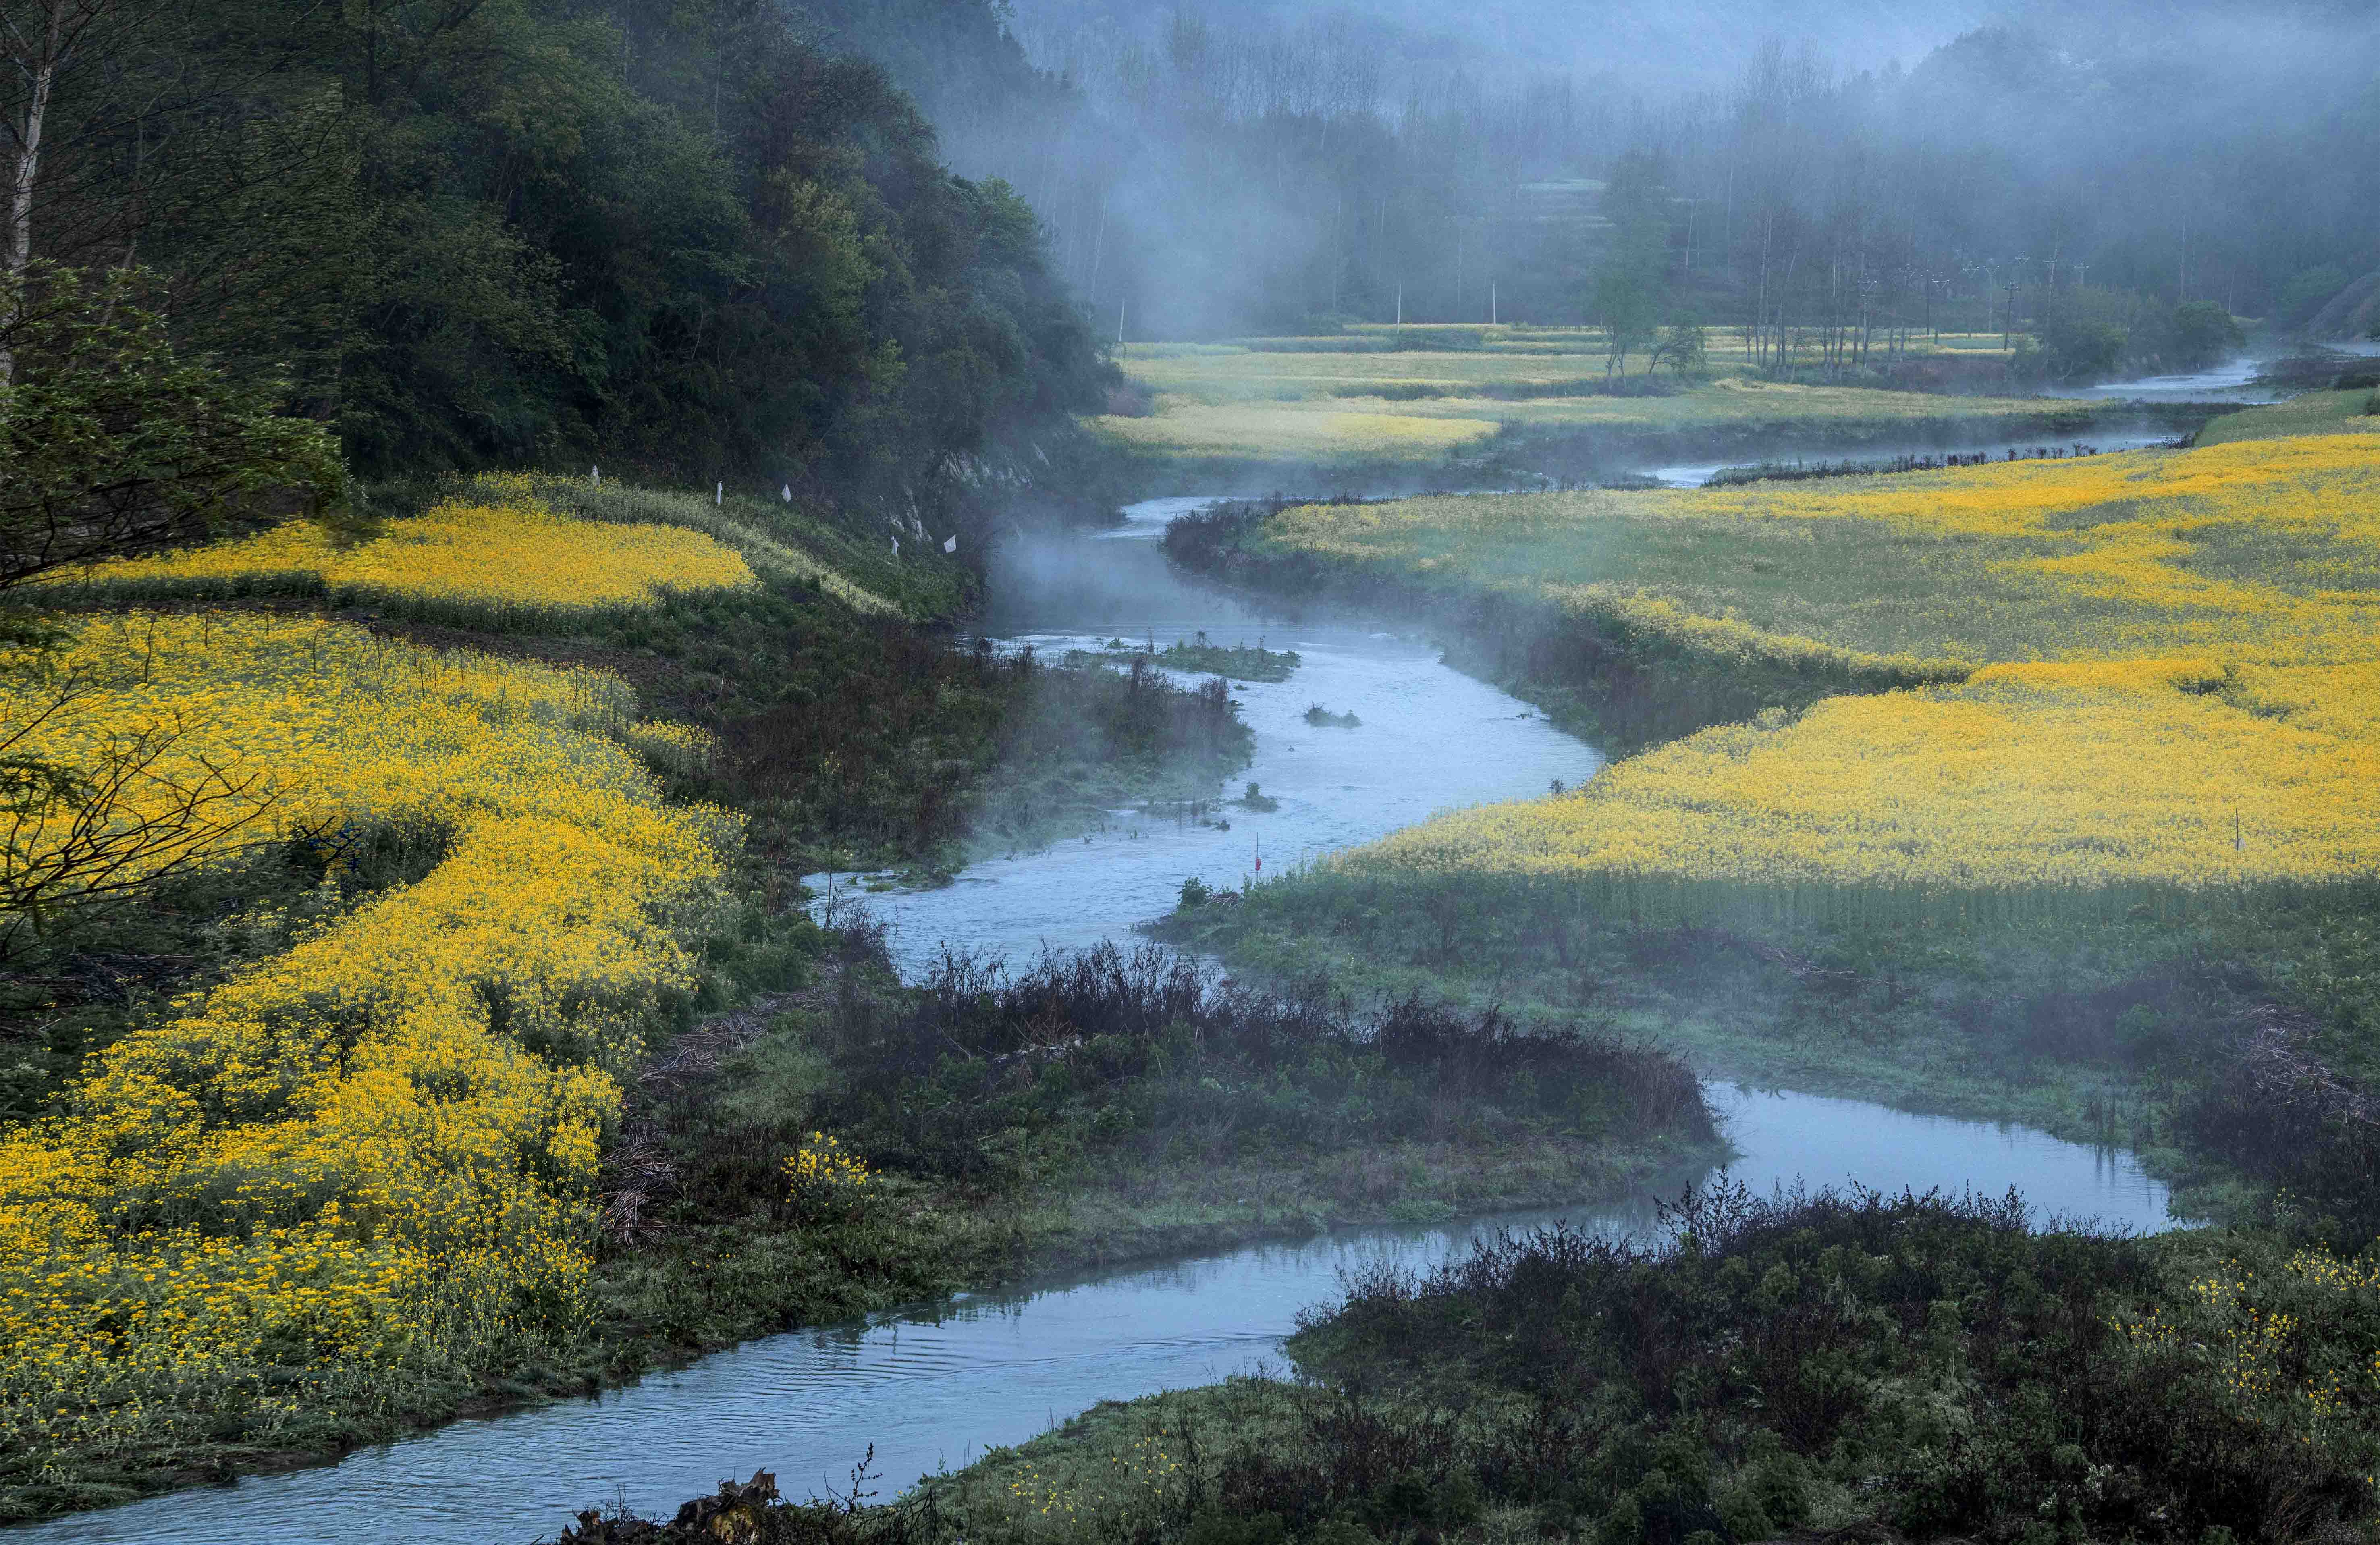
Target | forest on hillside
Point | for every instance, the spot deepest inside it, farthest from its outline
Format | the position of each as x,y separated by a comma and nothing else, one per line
694,242
1227,169
875,252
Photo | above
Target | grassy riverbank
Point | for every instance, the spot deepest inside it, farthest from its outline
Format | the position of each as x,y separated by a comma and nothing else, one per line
1822,1365
1103,1108
1473,407
1800,1368
2033,791
2349,412
465,1041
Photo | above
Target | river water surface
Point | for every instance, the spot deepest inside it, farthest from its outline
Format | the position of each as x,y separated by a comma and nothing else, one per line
937,1386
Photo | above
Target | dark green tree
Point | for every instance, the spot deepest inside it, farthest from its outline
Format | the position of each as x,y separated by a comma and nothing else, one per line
1629,293
111,444
2203,333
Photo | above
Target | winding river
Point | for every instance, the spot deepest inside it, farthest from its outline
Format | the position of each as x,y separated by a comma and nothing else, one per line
935,1387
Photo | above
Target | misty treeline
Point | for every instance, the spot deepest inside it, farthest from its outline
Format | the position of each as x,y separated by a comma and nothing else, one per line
2119,184
700,241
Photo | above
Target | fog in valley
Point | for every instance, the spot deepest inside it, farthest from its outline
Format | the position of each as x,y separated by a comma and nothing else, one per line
1190,771
1210,170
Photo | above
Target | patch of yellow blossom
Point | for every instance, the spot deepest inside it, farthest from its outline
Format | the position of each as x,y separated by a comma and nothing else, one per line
1992,785
1293,431
761,547
2196,703
2291,1347
825,1182
368,1158
1143,1486
493,554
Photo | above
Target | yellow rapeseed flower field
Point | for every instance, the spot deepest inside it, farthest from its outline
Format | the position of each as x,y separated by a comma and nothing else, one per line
1991,785
1416,394
1296,431
2156,669
371,1156
2262,550
496,554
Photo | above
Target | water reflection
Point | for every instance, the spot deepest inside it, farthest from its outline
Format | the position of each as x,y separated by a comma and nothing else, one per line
1430,738
937,1388
2232,381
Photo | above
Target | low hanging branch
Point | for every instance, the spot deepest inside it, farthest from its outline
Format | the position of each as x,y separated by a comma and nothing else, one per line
143,807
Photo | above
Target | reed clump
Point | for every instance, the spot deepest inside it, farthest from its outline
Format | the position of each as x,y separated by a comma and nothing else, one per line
1135,1055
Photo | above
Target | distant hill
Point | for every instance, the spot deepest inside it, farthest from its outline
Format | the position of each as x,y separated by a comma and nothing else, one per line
2354,312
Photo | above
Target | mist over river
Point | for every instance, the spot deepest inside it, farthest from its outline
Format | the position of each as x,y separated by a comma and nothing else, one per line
936,1387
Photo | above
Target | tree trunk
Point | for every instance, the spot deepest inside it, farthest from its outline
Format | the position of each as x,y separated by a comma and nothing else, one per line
39,62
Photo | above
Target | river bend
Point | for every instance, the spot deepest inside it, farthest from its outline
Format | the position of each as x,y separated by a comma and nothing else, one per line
936,1387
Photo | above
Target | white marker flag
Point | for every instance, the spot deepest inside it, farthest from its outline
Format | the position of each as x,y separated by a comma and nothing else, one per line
896,547
719,495
951,546
596,474
787,493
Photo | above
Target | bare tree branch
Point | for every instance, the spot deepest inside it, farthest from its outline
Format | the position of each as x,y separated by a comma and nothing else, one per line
144,807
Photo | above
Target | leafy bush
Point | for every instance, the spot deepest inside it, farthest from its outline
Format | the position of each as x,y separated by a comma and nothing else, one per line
1923,1362
2202,333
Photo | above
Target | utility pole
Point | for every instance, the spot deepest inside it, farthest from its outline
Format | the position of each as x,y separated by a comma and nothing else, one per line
1491,304
1120,305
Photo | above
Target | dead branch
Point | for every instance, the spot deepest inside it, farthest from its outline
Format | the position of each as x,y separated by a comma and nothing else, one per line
72,838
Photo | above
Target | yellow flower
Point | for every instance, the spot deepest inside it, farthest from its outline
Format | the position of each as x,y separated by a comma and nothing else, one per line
373,1151
2125,676
499,555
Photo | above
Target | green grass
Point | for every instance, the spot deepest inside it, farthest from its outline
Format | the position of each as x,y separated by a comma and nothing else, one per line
1797,1009
1894,585
2314,413
1455,405
1867,1367
1607,675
